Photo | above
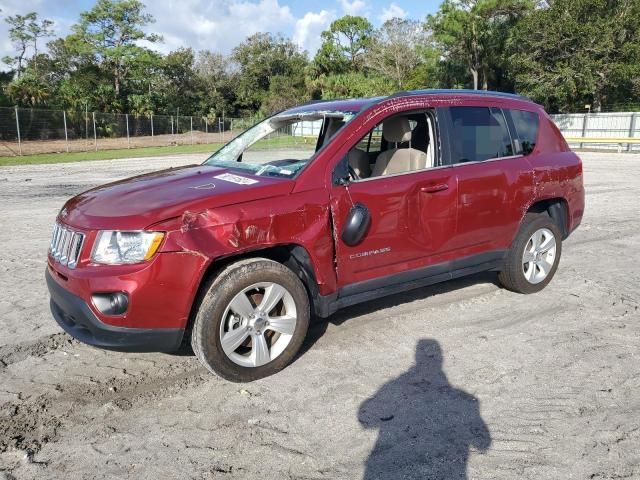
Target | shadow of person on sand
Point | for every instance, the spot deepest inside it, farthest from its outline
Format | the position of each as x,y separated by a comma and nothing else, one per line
426,426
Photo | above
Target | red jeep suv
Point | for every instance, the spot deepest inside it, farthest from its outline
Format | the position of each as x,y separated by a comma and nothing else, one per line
316,208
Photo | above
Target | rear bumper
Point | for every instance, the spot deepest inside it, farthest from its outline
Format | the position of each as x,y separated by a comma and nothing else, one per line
76,318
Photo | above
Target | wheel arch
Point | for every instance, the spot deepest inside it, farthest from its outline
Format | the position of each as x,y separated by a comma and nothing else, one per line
557,208
294,256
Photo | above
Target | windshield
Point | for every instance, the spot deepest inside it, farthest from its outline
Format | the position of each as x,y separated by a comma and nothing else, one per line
282,145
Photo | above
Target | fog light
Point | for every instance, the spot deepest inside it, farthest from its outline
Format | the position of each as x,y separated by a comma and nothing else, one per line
115,303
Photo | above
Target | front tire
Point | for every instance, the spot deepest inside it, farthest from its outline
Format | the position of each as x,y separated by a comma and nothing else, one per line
533,258
252,320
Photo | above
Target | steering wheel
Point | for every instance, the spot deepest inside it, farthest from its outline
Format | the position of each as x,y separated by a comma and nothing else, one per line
352,173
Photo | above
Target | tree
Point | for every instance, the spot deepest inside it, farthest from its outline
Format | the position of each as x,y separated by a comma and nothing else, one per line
562,53
111,32
24,31
352,84
261,58
20,38
578,52
394,51
282,94
471,32
217,80
38,30
76,80
28,90
178,85
5,80
344,45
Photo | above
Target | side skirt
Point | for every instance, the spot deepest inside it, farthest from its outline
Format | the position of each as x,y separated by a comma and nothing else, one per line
401,282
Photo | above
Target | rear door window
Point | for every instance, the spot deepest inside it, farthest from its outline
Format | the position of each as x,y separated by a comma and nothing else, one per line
526,130
478,134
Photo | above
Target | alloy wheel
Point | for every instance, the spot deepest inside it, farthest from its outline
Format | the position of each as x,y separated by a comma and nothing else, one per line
258,324
539,255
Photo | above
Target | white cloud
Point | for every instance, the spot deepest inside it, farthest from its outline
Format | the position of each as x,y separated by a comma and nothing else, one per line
392,11
217,25
201,24
308,29
355,7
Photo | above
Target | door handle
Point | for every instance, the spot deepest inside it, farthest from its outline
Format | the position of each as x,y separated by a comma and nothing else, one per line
438,187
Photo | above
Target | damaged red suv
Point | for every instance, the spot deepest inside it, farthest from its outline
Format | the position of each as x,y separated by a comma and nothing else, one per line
316,208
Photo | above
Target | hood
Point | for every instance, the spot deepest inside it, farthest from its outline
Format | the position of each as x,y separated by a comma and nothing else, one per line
137,202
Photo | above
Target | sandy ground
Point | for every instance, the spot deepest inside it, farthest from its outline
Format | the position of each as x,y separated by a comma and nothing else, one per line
460,380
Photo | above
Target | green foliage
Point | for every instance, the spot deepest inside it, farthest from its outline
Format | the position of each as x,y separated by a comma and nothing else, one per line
353,84
24,32
217,82
344,45
474,32
431,72
110,32
263,59
5,80
282,94
29,90
562,53
177,87
579,52
395,50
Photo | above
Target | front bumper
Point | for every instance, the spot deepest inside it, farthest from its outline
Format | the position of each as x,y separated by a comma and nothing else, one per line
76,318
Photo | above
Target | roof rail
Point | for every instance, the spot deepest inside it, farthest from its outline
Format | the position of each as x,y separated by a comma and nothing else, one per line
439,91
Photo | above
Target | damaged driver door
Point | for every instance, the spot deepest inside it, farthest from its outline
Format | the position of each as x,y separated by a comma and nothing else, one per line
401,215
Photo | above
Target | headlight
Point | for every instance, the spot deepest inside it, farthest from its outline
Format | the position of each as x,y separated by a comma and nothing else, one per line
115,247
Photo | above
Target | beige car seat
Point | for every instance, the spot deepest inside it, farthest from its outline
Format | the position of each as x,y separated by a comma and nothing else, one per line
398,160
359,161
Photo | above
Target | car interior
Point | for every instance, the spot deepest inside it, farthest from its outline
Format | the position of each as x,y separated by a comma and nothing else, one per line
400,144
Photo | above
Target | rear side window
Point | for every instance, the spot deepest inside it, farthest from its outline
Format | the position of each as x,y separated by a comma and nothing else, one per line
479,133
526,126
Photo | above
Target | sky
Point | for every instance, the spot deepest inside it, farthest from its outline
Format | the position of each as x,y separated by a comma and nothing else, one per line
219,25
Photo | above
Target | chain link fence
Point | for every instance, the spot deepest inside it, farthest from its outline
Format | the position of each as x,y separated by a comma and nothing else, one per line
33,131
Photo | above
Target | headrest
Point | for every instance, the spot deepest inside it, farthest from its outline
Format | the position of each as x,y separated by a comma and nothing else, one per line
396,130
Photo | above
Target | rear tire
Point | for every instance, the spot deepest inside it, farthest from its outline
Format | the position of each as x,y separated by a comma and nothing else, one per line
533,258
252,320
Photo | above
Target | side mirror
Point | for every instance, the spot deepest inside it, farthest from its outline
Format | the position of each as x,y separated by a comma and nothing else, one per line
356,225
341,172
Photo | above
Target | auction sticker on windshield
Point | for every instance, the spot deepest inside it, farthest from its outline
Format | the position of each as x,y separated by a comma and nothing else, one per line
229,177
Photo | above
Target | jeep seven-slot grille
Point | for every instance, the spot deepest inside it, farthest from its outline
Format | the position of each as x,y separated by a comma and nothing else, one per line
66,245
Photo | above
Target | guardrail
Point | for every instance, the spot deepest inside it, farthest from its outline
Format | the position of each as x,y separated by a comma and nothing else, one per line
619,141
609,131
